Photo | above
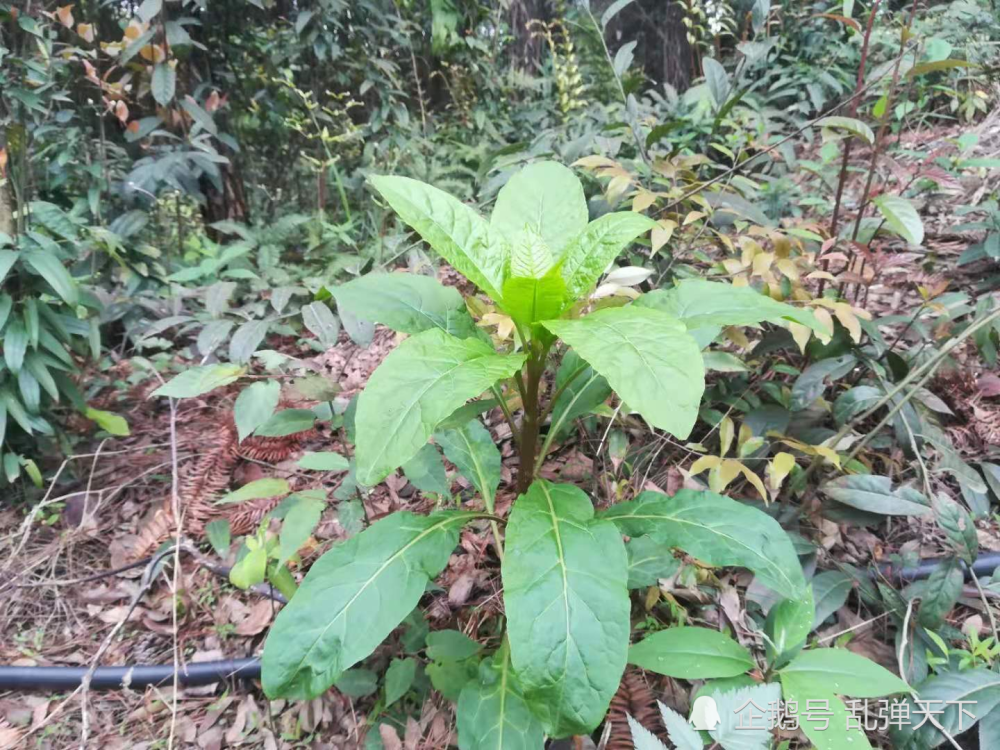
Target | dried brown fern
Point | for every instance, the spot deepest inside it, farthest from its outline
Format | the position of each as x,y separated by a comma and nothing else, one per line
634,698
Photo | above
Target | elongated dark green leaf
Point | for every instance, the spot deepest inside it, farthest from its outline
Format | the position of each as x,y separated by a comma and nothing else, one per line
582,395
417,387
198,380
875,495
901,216
406,302
830,590
246,340
691,653
455,231
843,672
647,356
717,530
472,450
586,257
940,692
699,303
50,268
164,83
564,576
15,344
255,405
352,598
544,198
492,713
7,259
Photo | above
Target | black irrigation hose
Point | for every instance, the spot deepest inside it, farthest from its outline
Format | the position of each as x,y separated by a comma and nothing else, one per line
207,672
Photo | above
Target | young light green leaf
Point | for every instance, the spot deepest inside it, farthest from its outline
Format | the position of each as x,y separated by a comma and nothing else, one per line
406,302
324,461
455,231
843,672
425,471
196,381
352,598
698,303
300,513
475,455
250,570
591,252
648,358
691,653
50,268
875,494
247,338
321,322
851,125
492,713
398,679
112,423
546,200
564,575
287,422
719,531
901,217
415,388
259,488
529,300
219,536
255,405
788,624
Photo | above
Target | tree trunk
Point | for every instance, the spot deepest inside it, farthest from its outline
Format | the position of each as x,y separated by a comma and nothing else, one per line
225,201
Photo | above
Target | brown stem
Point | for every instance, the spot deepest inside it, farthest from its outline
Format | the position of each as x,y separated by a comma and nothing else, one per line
531,421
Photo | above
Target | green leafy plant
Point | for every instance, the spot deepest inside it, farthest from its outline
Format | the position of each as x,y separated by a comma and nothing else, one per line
564,569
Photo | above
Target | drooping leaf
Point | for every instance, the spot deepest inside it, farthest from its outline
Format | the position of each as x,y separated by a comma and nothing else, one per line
717,80
247,339
579,396
352,598
941,692
851,125
589,254
564,575
196,381
15,345
788,624
874,494
719,531
901,216
545,199
218,534
691,653
7,259
830,589
454,230
647,357
406,302
425,471
810,385
843,672
492,713
938,593
255,405
50,268
259,488
415,388
475,455
698,303
287,422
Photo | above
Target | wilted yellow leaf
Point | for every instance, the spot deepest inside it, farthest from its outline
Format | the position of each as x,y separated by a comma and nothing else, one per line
86,31
65,15
703,463
693,217
661,234
755,481
642,200
726,432
779,468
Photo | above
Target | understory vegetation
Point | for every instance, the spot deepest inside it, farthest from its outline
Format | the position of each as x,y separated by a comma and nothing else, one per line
508,374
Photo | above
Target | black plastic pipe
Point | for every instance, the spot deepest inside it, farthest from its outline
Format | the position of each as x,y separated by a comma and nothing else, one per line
983,566
136,677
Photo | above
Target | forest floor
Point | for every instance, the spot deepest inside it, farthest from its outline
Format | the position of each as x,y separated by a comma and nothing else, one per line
114,512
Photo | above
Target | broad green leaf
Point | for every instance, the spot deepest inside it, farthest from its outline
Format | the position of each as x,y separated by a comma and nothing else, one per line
324,461
219,536
648,358
406,302
287,422
564,576
7,259
979,686
691,653
164,83
15,345
648,561
196,381
875,494
492,713
717,80
398,679
50,268
247,338
529,300
545,199
851,125
417,387
939,593
352,598
787,626
830,590
698,303
580,396
110,422
901,217
16,410
425,471
843,672
827,724
719,531
255,405
357,683
300,514
255,490
199,115
589,254
450,645
455,231
321,322
250,570
450,677
475,455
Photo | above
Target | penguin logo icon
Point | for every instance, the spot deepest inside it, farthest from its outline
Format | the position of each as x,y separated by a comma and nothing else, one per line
705,714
